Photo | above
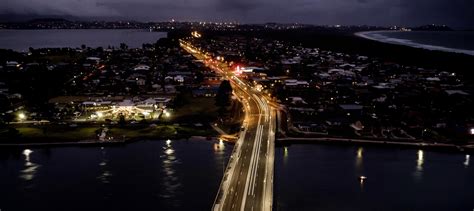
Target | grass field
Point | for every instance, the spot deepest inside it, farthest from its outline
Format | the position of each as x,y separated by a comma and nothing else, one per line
180,124
61,133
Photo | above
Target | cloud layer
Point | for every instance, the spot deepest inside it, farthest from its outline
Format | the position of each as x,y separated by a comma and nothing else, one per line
373,12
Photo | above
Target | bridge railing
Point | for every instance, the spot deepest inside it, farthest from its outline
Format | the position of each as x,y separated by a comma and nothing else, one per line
218,201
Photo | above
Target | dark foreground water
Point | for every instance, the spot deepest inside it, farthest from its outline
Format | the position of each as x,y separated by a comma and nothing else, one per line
21,40
319,177
185,175
148,175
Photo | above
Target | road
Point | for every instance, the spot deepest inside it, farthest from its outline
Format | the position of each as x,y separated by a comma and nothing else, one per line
248,180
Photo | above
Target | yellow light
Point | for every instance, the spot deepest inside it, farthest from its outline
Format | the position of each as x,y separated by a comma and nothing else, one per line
99,114
166,113
359,152
420,160
21,116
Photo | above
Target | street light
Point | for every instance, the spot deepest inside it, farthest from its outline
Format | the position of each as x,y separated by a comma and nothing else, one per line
166,113
472,131
21,116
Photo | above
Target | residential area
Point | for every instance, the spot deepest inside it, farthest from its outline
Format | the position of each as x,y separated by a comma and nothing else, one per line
331,94
157,86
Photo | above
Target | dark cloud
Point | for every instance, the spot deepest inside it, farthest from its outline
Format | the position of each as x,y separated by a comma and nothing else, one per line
373,12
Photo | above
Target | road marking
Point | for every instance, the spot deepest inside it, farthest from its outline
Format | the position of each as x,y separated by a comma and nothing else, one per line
254,165
259,144
242,208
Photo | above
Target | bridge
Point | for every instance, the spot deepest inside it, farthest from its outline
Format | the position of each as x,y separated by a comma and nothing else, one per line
247,183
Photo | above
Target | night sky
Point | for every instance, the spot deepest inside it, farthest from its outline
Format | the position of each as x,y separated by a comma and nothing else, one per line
456,13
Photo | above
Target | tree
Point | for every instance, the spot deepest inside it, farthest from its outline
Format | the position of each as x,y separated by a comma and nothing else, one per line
122,121
223,96
182,98
123,46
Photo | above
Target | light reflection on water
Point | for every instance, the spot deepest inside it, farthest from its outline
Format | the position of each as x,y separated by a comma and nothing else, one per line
171,180
30,168
219,152
359,158
371,178
105,174
419,165
158,174
359,165
466,163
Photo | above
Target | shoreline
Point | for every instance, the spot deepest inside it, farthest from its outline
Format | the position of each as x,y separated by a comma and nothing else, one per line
97,143
388,144
409,43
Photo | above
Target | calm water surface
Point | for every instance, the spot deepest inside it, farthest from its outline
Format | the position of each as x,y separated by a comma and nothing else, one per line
185,175
320,177
148,175
21,40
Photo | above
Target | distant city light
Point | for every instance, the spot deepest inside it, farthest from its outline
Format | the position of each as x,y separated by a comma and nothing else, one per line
196,34
99,114
472,131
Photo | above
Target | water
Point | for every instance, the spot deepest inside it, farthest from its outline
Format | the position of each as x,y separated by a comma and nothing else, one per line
322,177
185,175
21,40
449,41
147,175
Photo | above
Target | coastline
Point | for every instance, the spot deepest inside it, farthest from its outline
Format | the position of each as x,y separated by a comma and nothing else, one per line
409,43
342,141
97,143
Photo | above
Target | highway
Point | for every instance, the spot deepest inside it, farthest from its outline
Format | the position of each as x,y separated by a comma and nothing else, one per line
248,181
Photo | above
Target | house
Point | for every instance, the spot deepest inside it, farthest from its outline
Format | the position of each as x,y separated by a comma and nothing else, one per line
456,92
141,82
141,67
351,109
12,64
297,100
95,60
295,83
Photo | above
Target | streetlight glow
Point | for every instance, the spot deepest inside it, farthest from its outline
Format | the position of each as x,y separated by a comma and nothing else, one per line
21,116
166,113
